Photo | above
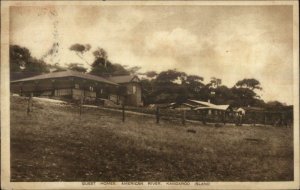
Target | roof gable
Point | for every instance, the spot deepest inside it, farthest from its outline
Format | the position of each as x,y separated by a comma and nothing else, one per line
124,79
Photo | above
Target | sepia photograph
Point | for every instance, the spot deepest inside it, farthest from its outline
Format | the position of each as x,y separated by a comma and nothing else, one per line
150,94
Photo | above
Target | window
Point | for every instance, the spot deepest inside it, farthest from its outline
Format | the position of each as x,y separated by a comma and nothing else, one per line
77,86
91,89
133,89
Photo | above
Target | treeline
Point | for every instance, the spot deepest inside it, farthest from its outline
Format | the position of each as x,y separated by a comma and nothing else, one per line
175,86
22,62
164,87
178,86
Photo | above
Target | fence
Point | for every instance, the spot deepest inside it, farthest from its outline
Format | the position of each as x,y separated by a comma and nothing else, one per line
263,118
279,118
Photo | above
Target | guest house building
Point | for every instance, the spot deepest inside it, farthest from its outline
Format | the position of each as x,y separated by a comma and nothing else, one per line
74,85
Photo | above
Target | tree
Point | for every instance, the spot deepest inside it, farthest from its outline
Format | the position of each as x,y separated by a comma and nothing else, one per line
100,69
133,70
251,84
275,105
244,96
244,91
223,95
102,66
22,61
151,74
18,57
80,49
194,84
36,66
171,77
101,54
215,82
169,86
77,67
176,86
118,69
147,85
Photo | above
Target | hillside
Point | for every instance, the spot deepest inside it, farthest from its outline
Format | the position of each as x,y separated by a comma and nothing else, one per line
54,143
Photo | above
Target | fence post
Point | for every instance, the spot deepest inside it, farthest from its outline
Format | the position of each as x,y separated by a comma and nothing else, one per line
123,112
183,117
282,119
254,118
204,117
80,106
224,117
157,115
29,105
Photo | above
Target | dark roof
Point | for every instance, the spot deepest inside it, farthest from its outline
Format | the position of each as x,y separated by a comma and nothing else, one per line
122,79
21,75
67,73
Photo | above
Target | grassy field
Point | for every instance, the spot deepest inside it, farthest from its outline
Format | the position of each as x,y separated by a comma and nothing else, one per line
54,144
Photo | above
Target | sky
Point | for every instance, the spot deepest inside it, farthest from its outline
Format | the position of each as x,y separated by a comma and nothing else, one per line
227,42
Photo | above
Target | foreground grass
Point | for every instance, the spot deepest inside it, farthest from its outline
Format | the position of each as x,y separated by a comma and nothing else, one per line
55,144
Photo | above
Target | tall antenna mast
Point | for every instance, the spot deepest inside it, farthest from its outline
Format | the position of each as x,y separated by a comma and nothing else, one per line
52,53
